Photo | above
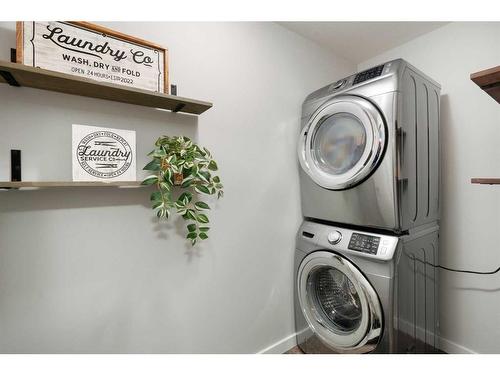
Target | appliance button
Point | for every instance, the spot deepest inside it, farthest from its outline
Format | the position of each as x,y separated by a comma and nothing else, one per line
383,250
337,85
334,237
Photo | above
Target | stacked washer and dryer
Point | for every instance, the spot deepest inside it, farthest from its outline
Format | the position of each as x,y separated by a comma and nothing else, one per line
365,275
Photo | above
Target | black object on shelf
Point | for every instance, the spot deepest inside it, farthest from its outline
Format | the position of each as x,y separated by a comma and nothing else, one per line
15,165
13,55
173,89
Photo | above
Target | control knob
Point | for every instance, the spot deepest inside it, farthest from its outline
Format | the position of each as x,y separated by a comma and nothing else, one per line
334,237
337,85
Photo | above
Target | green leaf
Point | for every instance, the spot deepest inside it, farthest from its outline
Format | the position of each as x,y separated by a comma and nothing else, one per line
191,227
158,153
202,218
202,206
165,186
157,205
172,159
194,170
167,177
190,214
152,165
220,194
203,235
191,235
187,182
202,189
216,179
179,204
163,212
150,180
156,196
204,175
212,165
186,197
203,229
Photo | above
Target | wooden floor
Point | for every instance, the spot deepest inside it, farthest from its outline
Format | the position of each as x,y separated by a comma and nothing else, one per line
294,350
297,350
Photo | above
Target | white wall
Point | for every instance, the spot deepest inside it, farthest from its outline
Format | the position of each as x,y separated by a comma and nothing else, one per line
470,219
91,270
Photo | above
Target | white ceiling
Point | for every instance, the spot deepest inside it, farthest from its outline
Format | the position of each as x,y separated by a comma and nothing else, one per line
359,41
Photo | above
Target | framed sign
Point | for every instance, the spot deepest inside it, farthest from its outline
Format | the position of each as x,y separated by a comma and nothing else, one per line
103,154
92,51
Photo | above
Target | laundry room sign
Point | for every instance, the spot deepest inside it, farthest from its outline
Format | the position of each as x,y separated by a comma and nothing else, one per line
103,154
92,51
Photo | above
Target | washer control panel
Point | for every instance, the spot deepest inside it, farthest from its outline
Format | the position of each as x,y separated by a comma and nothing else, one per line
364,243
349,241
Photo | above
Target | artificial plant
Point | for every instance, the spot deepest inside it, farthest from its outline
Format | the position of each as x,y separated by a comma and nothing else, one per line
180,164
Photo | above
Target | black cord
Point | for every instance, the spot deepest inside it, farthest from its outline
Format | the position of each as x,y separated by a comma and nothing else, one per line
467,271
460,271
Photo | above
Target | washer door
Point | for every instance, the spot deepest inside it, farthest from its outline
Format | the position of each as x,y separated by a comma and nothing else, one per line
339,304
342,143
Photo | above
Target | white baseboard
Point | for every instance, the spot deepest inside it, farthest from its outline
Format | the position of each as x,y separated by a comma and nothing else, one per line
289,342
443,344
452,347
281,346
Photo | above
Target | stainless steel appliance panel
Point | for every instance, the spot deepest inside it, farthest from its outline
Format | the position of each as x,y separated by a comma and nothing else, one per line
403,190
403,277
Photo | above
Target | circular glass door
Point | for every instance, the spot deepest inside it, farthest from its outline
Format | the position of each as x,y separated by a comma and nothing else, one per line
342,143
336,299
339,304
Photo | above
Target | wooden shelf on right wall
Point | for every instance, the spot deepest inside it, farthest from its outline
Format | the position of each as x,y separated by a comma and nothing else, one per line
485,181
489,81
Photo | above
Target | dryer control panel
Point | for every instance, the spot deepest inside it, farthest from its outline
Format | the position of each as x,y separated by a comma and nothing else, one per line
368,74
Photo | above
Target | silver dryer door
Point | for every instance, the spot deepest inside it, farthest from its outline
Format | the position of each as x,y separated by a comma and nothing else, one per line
342,143
339,304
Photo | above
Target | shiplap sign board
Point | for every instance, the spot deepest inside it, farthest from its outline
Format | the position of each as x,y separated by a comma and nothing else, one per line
94,52
103,154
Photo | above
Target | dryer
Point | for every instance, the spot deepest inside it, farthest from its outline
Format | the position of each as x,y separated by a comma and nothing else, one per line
369,149
358,291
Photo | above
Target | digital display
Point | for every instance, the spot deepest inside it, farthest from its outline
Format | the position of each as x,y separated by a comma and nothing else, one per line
364,243
368,74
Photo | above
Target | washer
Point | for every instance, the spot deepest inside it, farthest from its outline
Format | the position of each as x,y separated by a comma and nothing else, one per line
360,292
369,148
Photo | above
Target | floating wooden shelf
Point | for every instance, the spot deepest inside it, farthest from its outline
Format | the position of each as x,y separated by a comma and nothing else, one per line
22,75
489,81
486,181
57,184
